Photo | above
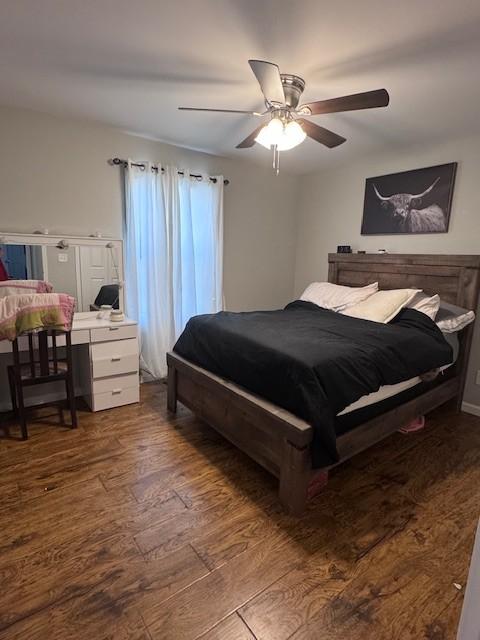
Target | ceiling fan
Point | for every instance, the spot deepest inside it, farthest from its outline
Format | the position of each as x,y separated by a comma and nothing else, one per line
288,127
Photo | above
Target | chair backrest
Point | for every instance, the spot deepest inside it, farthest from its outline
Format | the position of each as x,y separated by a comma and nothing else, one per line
45,362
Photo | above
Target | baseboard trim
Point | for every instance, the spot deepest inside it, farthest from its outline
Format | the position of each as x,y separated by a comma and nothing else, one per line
468,407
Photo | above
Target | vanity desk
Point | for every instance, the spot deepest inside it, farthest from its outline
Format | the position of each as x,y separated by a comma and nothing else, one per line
105,360
105,353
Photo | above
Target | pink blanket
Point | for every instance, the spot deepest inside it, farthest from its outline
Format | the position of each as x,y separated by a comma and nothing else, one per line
34,312
21,287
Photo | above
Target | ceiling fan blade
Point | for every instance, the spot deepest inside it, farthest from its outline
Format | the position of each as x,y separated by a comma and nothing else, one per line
251,113
366,100
250,140
324,136
268,76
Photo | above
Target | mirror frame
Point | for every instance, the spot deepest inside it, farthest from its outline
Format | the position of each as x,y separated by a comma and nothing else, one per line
46,240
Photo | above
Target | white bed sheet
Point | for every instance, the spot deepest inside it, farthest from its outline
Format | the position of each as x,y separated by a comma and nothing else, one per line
387,391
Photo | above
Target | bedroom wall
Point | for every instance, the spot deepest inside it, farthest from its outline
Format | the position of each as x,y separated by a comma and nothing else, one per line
330,213
54,174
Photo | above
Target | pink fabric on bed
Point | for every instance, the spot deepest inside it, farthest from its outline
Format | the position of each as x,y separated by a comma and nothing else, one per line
21,287
34,312
317,483
414,425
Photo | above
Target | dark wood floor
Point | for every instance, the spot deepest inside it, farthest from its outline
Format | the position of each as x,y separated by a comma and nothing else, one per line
143,527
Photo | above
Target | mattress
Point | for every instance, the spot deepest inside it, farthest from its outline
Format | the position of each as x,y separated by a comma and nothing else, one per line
389,390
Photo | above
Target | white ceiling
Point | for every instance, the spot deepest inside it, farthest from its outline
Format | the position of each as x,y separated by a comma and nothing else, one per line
130,63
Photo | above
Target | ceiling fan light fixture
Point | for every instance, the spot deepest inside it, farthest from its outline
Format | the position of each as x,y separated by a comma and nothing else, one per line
293,135
270,134
280,135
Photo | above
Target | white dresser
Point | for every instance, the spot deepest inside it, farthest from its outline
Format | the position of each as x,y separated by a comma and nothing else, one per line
105,359
109,371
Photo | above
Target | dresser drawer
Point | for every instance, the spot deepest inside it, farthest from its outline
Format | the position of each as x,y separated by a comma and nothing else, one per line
115,384
114,358
105,334
114,398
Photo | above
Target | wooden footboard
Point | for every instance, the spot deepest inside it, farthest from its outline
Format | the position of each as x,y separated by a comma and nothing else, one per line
273,437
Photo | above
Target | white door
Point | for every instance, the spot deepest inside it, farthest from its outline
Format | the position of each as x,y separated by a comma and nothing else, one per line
95,271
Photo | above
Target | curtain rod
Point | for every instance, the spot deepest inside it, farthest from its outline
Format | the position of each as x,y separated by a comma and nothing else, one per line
124,163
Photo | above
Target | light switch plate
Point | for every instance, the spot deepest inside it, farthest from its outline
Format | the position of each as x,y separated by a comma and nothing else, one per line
63,257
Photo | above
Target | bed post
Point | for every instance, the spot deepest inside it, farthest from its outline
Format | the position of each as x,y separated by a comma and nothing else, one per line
461,364
171,387
467,296
295,474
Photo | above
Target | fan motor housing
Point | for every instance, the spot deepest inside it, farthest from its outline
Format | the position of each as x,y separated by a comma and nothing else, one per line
293,87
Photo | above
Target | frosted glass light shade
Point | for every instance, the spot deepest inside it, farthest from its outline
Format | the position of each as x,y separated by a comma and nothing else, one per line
270,134
293,135
283,136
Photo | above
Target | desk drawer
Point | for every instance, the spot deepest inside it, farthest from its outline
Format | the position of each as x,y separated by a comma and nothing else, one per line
115,398
79,336
116,384
114,358
105,334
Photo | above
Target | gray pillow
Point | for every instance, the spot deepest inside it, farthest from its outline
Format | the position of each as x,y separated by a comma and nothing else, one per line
451,318
452,339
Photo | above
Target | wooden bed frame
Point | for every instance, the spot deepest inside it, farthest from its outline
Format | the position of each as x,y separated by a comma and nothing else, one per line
280,441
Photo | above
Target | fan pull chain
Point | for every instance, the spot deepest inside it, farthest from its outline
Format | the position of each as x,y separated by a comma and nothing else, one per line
276,159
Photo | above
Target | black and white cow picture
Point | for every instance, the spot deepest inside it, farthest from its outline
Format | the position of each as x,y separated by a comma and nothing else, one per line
416,201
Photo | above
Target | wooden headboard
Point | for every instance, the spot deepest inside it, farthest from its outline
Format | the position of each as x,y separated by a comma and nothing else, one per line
456,278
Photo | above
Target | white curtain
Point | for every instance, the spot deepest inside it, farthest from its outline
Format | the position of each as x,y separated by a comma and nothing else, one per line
173,255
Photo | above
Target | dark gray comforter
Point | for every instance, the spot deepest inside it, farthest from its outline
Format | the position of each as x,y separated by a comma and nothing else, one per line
311,361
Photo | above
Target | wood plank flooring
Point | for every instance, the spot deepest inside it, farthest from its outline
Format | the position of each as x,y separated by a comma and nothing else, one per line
140,526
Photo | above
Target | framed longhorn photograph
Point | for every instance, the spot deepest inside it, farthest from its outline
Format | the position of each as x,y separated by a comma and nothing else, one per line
417,201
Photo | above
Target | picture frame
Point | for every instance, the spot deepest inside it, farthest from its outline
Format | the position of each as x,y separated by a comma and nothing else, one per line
409,202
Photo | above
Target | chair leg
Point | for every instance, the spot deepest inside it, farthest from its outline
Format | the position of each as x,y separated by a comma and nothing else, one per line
61,417
22,418
17,375
71,400
13,391
69,382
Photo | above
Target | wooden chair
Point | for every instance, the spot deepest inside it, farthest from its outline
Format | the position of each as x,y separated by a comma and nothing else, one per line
41,368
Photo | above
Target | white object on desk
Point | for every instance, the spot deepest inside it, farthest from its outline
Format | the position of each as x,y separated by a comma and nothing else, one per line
108,363
117,315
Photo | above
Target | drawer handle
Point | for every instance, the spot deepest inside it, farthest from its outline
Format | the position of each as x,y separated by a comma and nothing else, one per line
114,328
116,359
115,392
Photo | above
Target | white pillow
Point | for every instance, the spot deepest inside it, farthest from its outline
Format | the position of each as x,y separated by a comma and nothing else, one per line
451,318
337,297
383,305
425,304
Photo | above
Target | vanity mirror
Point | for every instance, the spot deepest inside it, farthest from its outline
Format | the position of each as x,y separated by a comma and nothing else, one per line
89,269
104,351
